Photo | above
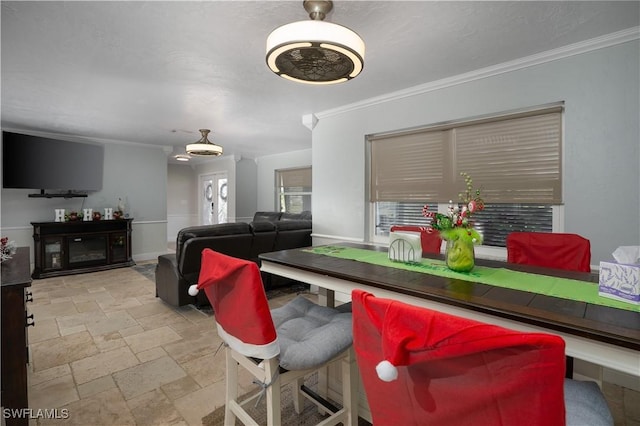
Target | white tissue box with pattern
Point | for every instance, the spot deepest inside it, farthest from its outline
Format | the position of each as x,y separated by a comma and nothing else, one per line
620,282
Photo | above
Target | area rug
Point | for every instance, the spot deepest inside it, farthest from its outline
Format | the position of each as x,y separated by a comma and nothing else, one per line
289,417
146,269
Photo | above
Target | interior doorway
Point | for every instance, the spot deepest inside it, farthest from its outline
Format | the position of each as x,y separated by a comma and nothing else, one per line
213,198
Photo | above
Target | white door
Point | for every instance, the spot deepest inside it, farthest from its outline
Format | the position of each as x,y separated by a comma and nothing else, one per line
213,190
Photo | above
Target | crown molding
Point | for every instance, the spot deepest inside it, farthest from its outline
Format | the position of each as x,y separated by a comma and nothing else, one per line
83,139
608,40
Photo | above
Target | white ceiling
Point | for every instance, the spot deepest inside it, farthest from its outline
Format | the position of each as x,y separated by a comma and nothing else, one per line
155,72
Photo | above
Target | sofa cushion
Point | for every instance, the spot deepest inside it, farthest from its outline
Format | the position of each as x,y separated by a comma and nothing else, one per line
266,216
289,225
292,234
235,245
262,227
219,229
305,215
186,234
264,238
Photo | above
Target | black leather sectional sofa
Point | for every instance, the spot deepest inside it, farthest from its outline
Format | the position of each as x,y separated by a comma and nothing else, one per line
269,231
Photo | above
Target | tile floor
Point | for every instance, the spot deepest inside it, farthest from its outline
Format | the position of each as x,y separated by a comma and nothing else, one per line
109,352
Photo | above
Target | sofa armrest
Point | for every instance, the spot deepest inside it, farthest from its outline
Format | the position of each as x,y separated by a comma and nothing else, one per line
170,285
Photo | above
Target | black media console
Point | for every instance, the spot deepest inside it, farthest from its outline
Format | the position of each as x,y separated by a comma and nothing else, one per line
74,247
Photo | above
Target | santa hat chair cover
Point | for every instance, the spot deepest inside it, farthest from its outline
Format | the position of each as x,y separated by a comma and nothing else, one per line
245,323
570,252
445,370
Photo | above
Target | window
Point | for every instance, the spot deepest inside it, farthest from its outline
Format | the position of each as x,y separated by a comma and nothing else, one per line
515,158
293,190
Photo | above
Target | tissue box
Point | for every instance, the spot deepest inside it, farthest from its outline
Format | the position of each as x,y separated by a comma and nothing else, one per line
405,247
620,281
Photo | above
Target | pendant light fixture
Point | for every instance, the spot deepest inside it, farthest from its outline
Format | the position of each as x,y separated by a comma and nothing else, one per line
203,146
315,52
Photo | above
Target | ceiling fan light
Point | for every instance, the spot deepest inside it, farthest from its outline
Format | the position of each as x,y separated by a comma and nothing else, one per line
315,52
203,147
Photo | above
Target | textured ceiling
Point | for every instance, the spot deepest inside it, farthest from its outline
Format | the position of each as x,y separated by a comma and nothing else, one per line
155,72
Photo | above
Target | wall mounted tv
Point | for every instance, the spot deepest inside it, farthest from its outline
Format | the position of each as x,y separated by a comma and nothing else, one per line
33,162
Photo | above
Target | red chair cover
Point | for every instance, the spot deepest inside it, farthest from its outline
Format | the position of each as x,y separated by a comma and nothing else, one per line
429,239
455,371
552,250
234,289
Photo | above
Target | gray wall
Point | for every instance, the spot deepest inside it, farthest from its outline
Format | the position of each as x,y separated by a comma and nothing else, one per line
182,203
135,173
247,181
601,146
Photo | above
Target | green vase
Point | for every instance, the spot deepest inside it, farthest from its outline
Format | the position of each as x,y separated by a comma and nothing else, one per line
459,255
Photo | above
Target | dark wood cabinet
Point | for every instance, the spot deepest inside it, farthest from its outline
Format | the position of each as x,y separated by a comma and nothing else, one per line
15,320
63,248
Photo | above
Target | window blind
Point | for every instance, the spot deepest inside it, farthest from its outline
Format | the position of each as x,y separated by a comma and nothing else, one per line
300,179
515,158
408,167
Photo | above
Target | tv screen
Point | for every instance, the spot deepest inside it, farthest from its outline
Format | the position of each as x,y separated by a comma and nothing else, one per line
34,162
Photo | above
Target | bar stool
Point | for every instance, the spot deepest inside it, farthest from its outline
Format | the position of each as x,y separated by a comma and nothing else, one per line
440,369
570,252
278,346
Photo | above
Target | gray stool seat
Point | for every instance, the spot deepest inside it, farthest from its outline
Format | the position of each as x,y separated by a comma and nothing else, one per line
277,346
309,335
585,404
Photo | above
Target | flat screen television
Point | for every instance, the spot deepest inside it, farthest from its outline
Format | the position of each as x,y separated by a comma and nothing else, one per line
33,162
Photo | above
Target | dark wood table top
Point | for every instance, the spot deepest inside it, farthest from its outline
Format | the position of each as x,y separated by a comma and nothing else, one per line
610,325
17,270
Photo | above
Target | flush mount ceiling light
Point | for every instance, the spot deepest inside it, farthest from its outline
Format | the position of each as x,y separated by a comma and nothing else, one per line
182,157
315,52
203,146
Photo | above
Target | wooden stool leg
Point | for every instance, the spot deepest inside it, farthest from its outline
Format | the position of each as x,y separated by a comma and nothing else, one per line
231,387
298,399
273,392
350,387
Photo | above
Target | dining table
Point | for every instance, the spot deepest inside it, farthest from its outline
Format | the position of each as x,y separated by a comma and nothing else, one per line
595,328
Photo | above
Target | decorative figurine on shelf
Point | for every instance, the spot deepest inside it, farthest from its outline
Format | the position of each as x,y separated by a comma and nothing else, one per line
87,214
73,216
97,215
121,207
59,215
108,213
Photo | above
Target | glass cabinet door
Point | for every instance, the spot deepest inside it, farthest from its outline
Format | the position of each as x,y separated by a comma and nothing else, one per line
53,254
118,247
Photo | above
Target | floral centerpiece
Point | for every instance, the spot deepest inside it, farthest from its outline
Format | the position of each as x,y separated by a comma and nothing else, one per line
7,249
456,227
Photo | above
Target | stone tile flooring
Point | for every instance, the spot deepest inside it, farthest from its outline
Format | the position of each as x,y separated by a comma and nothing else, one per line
111,353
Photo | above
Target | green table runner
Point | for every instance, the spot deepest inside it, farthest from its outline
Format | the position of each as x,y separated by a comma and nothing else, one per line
581,291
